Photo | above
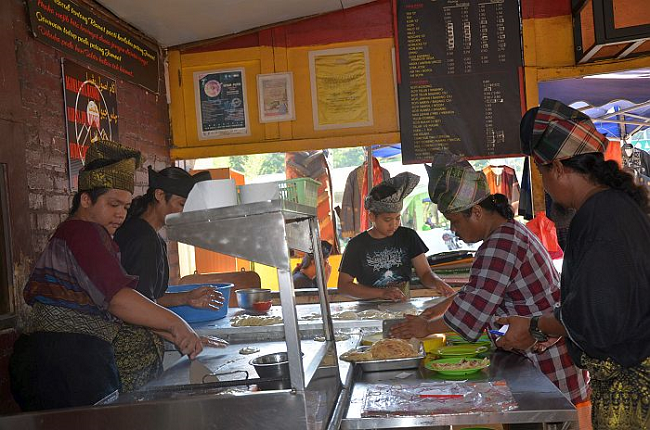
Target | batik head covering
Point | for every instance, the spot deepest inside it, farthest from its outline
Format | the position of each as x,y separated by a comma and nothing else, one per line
441,161
460,189
180,186
387,196
555,131
115,167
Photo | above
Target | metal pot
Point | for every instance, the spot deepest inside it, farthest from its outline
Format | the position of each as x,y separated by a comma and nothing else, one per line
247,296
274,365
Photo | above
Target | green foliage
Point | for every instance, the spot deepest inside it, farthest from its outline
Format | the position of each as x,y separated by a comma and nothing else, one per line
347,157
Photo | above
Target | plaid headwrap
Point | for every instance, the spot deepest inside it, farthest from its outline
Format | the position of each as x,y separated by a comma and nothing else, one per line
387,197
460,189
558,132
178,186
118,173
441,161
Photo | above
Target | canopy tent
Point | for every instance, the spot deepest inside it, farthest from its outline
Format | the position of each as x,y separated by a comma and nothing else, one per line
618,103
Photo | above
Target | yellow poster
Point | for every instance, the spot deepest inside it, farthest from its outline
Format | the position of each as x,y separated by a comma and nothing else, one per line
341,95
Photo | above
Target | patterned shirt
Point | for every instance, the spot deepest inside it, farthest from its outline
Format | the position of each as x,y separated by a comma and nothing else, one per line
79,269
513,274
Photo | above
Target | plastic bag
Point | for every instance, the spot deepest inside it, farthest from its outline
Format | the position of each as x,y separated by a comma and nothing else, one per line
544,229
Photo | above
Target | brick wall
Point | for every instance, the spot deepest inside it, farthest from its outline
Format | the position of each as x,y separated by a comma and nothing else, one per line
39,115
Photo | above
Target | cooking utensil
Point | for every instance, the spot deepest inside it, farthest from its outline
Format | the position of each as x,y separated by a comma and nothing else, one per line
274,365
386,325
201,374
247,296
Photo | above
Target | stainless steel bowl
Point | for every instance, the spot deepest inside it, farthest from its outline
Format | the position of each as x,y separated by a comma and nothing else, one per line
247,296
274,365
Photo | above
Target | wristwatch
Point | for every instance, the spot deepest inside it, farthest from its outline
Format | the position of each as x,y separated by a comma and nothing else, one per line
534,330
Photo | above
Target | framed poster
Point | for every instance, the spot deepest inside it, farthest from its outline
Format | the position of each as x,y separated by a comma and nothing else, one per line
90,100
340,88
220,98
275,94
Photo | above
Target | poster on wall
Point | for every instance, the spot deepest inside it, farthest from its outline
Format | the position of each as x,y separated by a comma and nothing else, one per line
90,100
220,98
340,88
275,93
81,33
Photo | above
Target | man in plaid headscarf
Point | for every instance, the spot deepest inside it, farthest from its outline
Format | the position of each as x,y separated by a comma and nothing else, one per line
605,311
381,259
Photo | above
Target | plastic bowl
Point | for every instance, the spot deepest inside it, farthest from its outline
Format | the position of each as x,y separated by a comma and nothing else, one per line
193,315
247,296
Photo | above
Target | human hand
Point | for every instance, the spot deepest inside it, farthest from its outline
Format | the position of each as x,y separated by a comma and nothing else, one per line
185,338
393,293
414,326
214,342
429,313
205,298
540,347
517,337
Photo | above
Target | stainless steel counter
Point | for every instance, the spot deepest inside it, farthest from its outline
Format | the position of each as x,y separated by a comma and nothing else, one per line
540,404
223,328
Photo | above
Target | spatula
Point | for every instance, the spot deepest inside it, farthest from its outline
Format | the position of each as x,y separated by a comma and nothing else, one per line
386,325
200,373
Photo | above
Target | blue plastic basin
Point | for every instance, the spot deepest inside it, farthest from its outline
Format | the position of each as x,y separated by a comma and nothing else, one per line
193,315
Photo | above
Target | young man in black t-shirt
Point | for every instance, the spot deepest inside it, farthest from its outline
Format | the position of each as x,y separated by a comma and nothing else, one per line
381,258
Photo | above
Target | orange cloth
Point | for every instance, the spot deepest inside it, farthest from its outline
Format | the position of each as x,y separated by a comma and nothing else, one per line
613,152
377,177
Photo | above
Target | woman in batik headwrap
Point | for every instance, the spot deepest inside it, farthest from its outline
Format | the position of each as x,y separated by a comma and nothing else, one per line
139,351
79,292
512,274
605,312
381,258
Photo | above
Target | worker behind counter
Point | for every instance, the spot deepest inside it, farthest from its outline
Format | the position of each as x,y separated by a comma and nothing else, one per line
381,259
80,295
304,275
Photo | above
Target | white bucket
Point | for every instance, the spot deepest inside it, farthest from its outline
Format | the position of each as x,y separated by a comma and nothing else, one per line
253,193
211,194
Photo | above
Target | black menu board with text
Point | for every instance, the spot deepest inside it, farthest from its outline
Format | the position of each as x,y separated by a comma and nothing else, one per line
460,85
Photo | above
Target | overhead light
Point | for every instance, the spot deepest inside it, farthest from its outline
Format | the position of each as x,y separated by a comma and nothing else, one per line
627,74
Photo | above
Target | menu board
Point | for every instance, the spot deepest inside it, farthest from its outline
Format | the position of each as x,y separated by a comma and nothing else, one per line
85,36
460,85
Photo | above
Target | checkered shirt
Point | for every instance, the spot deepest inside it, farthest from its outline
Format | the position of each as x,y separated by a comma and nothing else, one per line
513,274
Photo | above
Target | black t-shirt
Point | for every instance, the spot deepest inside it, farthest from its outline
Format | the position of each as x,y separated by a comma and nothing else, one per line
382,263
300,280
144,253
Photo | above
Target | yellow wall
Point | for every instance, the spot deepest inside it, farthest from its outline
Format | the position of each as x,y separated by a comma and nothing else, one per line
269,275
283,136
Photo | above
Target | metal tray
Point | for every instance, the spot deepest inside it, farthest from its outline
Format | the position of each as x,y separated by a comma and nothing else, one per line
389,364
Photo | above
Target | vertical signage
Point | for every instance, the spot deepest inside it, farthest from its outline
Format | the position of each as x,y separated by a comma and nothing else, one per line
460,87
90,113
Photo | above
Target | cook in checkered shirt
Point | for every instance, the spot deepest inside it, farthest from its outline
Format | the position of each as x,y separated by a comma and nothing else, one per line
512,274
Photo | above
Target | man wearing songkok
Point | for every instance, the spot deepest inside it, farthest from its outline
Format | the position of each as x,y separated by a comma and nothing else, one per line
605,304
512,273
79,294
381,258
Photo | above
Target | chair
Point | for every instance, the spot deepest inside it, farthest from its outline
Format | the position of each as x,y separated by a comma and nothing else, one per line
240,280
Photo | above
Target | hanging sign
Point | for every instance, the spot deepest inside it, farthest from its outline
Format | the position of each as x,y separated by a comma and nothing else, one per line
83,35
